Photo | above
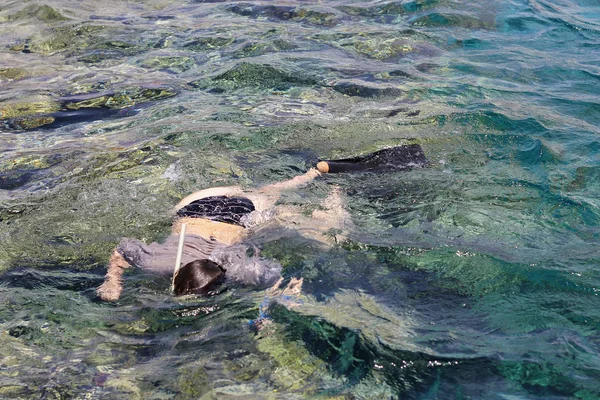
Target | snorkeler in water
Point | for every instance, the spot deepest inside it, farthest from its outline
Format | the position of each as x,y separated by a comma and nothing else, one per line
218,220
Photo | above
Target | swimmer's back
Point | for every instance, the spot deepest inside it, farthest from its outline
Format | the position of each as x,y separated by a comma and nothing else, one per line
210,192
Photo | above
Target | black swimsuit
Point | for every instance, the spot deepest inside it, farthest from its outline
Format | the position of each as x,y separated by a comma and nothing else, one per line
218,208
241,267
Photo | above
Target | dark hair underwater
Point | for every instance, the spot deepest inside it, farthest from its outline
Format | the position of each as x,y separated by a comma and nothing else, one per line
198,277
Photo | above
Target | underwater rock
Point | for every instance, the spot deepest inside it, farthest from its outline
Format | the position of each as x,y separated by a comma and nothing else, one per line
364,344
354,89
41,12
583,177
208,43
383,46
352,355
79,108
428,68
260,48
13,391
399,73
246,366
109,50
99,56
389,13
127,388
30,163
393,9
383,50
11,74
172,64
285,13
50,229
13,179
75,39
30,122
539,378
435,19
296,369
94,102
247,74
28,108
118,100
193,382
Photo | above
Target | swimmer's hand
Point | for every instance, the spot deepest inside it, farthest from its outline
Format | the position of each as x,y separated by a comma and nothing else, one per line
112,287
110,290
294,288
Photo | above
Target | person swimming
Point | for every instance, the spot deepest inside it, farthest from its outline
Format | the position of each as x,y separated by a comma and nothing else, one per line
218,221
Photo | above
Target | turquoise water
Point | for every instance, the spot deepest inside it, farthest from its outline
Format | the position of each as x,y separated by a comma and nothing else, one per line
476,278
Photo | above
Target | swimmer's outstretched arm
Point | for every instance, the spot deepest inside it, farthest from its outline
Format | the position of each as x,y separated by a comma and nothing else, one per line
295,182
271,192
266,197
112,287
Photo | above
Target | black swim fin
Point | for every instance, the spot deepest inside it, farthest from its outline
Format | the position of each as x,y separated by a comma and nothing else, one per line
391,158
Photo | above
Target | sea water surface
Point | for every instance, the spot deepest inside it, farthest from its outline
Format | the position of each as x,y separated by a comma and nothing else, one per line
474,278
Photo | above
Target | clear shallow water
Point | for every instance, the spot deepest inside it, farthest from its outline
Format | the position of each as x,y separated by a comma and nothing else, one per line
474,278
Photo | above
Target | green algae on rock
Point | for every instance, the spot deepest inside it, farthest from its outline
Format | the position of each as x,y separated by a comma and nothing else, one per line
208,43
172,64
193,381
66,236
109,50
41,12
16,172
38,113
296,368
256,49
30,122
285,13
351,355
13,73
28,108
120,99
541,377
385,46
247,74
74,39
353,89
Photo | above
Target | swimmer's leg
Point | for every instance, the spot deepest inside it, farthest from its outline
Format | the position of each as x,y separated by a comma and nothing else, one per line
335,204
335,217
112,287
